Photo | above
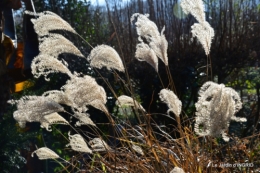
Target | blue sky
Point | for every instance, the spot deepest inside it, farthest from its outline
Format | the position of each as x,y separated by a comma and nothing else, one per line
94,2
103,2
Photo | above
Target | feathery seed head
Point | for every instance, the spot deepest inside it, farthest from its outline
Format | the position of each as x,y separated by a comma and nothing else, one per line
160,46
56,44
84,91
145,53
84,119
145,28
98,144
77,143
105,56
53,118
172,101
215,109
48,21
45,153
204,33
195,7
40,14
148,30
34,108
202,30
43,65
124,100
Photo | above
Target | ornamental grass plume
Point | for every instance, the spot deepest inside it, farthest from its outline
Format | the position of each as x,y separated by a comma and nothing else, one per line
45,153
43,65
61,98
215,109
56,44
105,56
159,45
33,109
172,101
204,33
77,143
84,119
53,118
48,21
84,91
145,53
97,145
202,30
124,100
195,8
148,31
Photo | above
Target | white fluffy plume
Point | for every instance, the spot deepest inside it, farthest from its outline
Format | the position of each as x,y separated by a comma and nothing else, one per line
216,107
77,143
84,91
34,108
45,153
148,31
48,21
43,65
145,53
202,30
172,101
124,100
56,44
105,56
204,33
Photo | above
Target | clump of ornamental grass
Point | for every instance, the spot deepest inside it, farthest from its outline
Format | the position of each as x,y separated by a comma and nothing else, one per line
130,148
216,107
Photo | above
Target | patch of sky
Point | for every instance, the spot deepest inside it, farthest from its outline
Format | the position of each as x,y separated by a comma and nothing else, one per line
103,2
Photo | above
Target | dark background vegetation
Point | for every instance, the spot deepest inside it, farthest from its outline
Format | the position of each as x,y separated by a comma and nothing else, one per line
235,52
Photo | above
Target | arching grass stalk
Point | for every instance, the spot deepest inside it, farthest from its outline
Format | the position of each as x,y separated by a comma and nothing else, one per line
160,79
211,70
172,85
56,160
207,68
93,161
